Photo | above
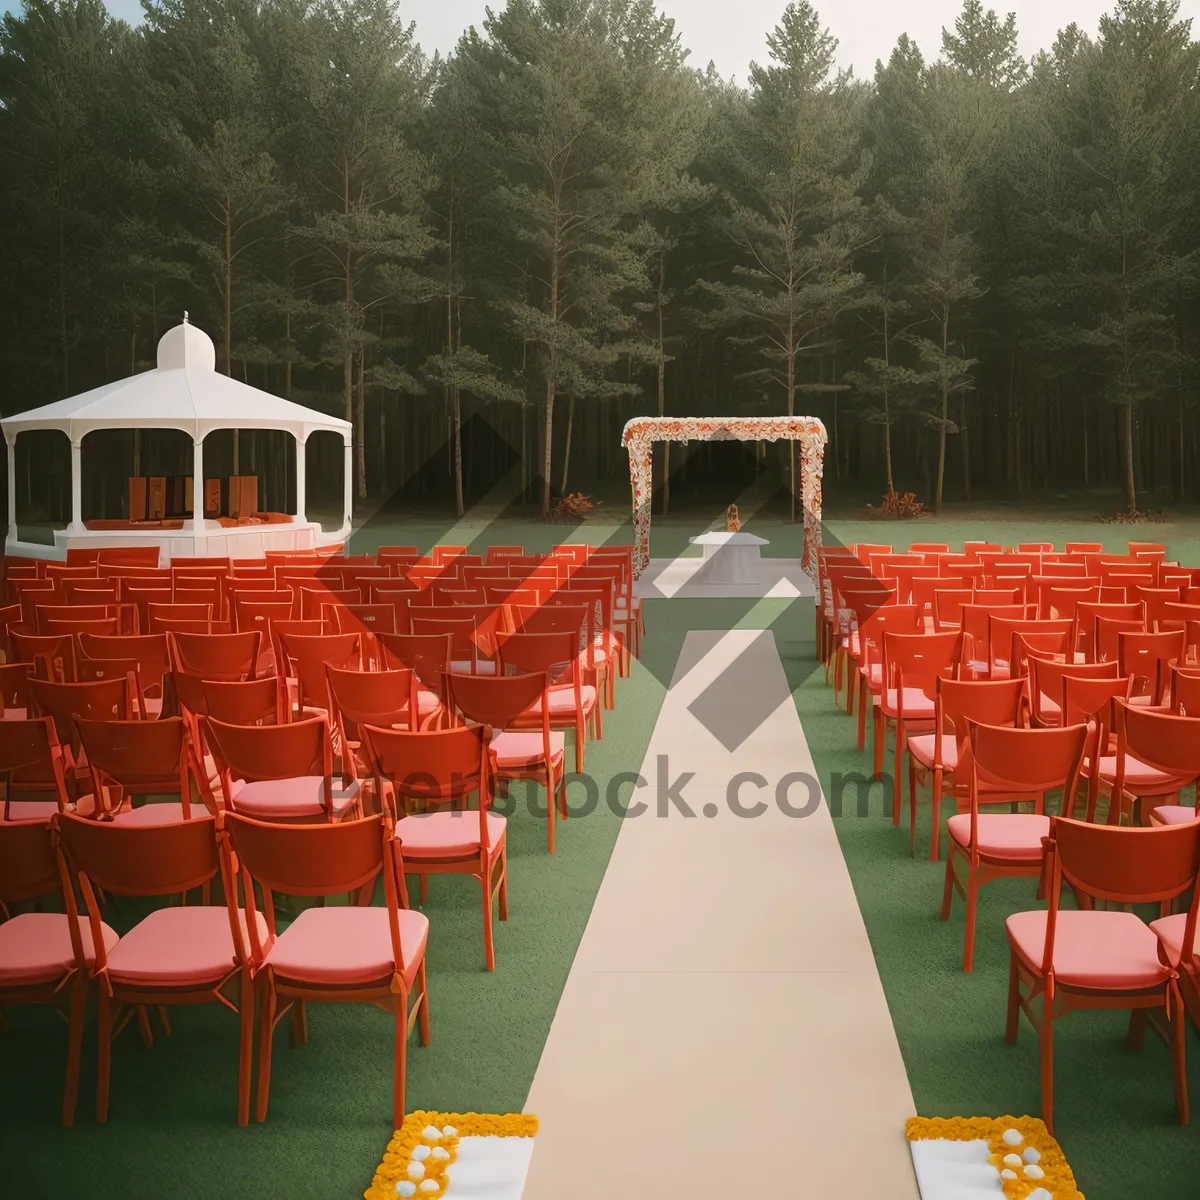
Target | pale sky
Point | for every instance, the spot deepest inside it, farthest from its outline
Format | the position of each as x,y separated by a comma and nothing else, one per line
732,34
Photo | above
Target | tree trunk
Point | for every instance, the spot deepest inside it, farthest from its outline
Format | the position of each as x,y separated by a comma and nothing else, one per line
966,452
941,464
1130,482
547,446
791,404
361,424
662,381
567,447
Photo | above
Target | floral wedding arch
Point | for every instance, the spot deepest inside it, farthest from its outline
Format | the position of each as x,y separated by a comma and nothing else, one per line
641,433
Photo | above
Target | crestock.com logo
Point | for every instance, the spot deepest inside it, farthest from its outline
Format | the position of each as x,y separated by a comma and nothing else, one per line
629,794
752,675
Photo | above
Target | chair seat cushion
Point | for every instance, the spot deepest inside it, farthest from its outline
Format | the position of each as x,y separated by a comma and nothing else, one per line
348,945
43,810
167,812
1015,836
1173,814
562,701
290,799
921,748
180,945
464,666
516,750
36,947
1169,931
916,703
446,834
1139,778
1093,949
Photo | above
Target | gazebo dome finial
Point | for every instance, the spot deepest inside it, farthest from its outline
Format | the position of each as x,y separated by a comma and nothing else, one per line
186,347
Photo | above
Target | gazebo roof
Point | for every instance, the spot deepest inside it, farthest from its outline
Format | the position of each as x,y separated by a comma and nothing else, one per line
184,391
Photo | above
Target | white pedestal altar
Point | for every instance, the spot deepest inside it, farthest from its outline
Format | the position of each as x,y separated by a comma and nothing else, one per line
730,558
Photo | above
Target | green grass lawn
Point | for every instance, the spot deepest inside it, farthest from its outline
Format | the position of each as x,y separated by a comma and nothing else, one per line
172,1135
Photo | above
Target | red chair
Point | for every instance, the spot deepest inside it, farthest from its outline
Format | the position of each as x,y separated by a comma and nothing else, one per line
948,605
313,600
304,659
1002,634
975,654
188,954
45,957
280,772
871,627
139,758
467,653
571,618
176,612
386,698
1008,765
435,768
1047,685
1164,743
1146,656
230,656
425,654
944,753
52,657
14,690
912,663
522,746
1093,958
34,765
98,700
1185,690
147,652
335,954
497,554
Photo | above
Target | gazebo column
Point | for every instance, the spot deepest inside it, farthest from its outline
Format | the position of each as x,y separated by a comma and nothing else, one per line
12,488
76,485
199,524
301,484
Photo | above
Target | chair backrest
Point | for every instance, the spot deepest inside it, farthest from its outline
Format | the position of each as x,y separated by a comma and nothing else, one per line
948,605
1146,655
14,686
99,700
372,697
176,612
1002,639
915,660
253,614
149,651
1122,864
140,756
28,866
142,860
1165,741
243,702
555,653
1185,690
52,657
31,757
462,631
217,655
260,752
498,700
1046,678
440,764
426,654
363,618
976,626
959,702
1026,761
307,656
313,599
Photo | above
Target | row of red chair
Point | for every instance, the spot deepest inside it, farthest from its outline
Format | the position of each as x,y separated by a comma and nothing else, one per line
1001,699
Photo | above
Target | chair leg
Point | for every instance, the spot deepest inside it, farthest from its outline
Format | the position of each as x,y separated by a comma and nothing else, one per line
400,1061
935,849
896,776
880,742
246,1045
948,890
1179,1056
579,736
104,1057
1046,1055
551,808
1137,1027
78,1002
912,807
299,1023
1014,999
851,684
423,1006
266,1024
972,908
502,889
489,949
862,713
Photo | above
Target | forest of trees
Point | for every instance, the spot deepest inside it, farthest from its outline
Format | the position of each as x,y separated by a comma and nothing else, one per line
981,272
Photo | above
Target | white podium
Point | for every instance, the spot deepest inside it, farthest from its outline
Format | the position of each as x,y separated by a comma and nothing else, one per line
729,558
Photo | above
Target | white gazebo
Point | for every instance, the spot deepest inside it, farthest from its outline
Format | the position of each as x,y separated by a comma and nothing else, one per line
184,392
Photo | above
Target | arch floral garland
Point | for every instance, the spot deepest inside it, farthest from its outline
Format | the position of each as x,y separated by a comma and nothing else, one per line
641,433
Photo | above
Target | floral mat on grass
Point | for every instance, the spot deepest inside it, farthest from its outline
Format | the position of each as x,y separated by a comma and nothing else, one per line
974,1158
435,1155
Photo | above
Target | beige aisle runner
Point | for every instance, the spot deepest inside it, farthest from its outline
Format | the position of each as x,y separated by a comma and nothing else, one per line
723,1031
